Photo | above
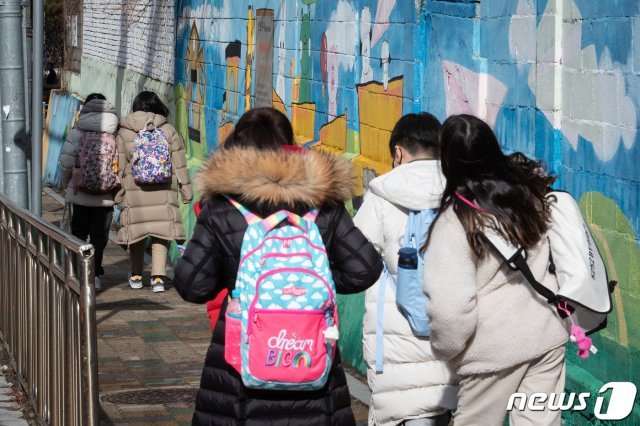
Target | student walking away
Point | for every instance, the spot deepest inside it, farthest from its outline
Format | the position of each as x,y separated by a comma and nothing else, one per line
89,174
409,384
499,333
153,169
274,232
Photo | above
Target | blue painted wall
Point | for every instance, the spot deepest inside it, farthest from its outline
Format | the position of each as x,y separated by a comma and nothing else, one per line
558,80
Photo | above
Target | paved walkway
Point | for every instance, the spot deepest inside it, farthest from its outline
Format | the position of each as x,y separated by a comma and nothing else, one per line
10,414
151,346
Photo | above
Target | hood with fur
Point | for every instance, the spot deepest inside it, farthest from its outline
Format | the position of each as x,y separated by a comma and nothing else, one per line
279,178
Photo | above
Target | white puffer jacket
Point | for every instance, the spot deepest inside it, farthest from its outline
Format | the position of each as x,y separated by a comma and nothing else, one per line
414,383
96,115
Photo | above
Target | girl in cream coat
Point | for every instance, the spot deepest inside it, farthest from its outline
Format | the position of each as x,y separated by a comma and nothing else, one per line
415,385
500,335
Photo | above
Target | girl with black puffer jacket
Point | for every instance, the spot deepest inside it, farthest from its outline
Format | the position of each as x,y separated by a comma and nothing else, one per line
253,168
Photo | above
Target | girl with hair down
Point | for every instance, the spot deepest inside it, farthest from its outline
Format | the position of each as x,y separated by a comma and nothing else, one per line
259,167
150,210
500,335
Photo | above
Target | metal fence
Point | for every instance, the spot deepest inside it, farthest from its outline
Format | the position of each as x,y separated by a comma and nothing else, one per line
47,316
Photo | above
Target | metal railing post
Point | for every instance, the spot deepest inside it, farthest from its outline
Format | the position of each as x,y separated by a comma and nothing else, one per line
48,317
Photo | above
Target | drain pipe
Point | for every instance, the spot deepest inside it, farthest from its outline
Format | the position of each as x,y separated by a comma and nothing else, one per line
36,102
12,108
26,58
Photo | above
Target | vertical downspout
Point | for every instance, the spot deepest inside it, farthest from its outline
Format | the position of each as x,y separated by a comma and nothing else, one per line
12,103
36,102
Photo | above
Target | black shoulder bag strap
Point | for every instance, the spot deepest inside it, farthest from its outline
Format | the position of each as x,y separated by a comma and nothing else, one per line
515,257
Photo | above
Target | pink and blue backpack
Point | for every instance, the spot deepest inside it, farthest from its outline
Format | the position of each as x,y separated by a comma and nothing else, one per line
287,329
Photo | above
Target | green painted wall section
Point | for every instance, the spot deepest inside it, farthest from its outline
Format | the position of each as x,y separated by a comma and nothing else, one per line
351,311
618,344
119,86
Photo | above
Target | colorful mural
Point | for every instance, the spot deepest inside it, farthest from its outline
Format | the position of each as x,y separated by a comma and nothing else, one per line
321,53
557,79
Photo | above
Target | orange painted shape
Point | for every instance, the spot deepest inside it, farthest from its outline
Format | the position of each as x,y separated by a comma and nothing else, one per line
379,110
295,90
45,133
333,136
278,103
303,118
233,74
360,164
224,131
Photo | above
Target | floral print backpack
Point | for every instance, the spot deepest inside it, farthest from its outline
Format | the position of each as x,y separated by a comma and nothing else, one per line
96,168
151,162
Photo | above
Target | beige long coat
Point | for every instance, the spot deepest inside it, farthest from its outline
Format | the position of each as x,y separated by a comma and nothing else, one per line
151,210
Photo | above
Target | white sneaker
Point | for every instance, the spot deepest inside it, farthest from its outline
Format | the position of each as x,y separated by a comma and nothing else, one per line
135,281
98,284
157,285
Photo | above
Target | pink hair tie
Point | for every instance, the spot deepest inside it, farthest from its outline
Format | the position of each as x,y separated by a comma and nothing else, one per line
470,203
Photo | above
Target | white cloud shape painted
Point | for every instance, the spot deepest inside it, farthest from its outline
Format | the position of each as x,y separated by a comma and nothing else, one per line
594,104
187,14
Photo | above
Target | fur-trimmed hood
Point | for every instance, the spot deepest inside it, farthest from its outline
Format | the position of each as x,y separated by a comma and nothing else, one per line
277,178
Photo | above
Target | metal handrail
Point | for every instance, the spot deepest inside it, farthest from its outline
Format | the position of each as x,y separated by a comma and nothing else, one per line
48,316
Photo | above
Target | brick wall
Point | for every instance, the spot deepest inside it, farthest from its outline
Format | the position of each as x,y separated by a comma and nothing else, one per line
137,35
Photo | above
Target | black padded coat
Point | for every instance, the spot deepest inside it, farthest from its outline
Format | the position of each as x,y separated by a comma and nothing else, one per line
265,183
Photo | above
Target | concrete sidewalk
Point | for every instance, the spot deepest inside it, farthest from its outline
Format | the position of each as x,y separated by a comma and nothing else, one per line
151,346
10,414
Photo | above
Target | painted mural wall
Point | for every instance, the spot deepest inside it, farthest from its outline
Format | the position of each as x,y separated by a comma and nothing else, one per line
557,79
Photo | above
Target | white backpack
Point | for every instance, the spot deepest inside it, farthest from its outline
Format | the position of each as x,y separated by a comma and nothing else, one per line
584,287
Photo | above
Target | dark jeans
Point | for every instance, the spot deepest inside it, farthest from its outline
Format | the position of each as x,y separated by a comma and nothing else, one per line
93,222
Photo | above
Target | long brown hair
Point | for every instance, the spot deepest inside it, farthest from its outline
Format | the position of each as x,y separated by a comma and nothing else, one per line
509,189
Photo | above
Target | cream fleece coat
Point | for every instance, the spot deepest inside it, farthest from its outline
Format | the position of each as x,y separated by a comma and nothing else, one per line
414,383
95,116
483,316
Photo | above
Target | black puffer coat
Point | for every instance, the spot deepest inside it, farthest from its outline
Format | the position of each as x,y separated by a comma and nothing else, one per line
265,183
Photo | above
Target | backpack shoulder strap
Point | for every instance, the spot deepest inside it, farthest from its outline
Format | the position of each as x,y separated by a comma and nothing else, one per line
386,278
249,216
421,221
270,222
409,238
515,258
312,215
